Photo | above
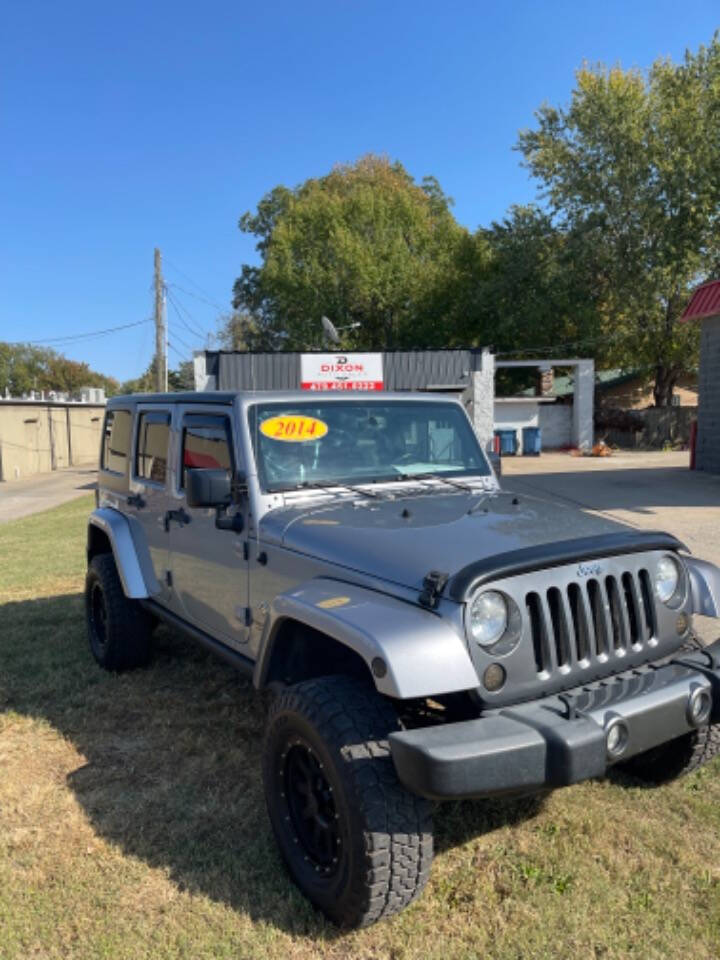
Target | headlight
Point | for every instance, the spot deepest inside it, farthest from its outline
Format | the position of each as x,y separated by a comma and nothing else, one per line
667,578
488,618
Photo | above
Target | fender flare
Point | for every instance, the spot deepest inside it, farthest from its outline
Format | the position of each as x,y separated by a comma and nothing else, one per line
423,653
137,577
704,586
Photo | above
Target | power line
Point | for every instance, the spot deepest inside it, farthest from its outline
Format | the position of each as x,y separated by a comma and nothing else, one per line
194,331
177,337
178,352
189,293
558,346
193,283
76,336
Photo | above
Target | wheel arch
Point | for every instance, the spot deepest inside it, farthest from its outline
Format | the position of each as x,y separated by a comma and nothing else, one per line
407,651
109,531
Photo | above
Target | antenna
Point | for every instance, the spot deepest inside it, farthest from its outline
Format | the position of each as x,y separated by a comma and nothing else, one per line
330,330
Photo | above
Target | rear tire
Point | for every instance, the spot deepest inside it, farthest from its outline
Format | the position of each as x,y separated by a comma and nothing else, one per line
355,841
118,628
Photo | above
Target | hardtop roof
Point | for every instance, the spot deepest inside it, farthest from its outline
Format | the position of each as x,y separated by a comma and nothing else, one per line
219,397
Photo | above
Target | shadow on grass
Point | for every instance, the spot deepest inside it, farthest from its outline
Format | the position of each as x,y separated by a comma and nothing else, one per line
172,761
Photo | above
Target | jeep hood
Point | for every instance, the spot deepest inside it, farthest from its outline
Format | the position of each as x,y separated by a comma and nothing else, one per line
401,540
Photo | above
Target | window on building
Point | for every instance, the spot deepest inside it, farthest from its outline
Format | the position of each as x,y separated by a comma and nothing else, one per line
152,446
206,444
116,441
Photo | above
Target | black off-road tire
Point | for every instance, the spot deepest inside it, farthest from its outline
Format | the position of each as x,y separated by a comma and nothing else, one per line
374,857
118,628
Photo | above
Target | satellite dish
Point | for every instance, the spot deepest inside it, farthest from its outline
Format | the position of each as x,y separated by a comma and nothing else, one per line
329,330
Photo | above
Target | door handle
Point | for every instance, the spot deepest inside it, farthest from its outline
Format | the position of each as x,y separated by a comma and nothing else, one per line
180,516
135,500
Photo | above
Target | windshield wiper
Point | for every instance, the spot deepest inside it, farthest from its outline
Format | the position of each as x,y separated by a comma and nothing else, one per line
316,485
437,476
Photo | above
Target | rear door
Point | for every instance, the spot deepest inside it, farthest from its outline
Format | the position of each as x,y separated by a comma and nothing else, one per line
147,502
209,566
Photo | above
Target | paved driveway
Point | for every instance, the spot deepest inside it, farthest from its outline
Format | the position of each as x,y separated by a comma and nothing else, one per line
652,491
21,497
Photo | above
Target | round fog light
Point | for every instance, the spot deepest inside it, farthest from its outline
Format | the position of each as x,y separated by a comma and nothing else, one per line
682,623
616,739
494,677
699,706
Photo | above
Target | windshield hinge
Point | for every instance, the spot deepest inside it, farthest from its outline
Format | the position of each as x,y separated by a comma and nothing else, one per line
433,586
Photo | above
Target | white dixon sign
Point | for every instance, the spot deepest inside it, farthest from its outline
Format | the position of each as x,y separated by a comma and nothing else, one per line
341,371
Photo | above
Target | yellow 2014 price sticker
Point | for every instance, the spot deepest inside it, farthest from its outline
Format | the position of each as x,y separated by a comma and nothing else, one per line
294,429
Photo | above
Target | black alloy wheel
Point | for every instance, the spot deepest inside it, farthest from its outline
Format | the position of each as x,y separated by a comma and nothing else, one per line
311,806
98,620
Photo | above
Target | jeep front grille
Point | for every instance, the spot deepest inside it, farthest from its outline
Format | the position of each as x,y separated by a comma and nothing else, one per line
591,621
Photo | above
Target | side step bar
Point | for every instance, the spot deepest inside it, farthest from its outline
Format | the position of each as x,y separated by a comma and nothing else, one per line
241,663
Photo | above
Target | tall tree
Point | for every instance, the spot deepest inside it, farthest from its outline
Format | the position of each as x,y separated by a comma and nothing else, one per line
631,171
24,367
524,288
363,245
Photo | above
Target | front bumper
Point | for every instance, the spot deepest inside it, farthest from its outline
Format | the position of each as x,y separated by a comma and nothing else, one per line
558,740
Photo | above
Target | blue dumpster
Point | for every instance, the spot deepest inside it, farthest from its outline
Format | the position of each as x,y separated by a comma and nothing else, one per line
532,441
508,442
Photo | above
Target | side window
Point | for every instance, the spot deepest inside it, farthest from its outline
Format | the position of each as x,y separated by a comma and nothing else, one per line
152,446
116,441
206,443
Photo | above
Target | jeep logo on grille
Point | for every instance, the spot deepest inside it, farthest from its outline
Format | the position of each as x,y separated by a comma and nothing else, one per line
589,569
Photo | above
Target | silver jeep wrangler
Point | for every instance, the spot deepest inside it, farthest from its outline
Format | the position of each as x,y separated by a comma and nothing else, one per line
424,634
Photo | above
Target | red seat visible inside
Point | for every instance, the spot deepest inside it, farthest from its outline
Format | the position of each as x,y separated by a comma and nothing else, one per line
203,461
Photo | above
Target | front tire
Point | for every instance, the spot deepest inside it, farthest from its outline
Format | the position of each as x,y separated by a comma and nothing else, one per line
355,841
677,757
118,628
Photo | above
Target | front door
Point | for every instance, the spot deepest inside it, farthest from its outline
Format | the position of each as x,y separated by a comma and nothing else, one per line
209,569
149,483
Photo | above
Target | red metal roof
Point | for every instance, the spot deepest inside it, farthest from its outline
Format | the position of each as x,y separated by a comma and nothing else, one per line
705,302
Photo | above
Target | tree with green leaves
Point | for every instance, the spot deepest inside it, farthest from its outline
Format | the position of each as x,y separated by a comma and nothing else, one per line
182,378
25,367
363,245
520,288
631,173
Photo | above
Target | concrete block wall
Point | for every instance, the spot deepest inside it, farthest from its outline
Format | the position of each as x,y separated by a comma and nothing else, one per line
483,399
708,439
37,437
555,422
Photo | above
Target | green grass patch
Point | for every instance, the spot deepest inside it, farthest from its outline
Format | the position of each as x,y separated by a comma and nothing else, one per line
132,822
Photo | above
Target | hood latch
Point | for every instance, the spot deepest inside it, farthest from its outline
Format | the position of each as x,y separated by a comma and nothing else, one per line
433,586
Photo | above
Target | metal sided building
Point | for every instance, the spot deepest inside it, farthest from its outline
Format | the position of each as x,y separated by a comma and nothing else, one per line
704,306
468,374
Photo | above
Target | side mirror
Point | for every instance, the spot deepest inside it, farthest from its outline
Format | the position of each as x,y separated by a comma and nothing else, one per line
208,488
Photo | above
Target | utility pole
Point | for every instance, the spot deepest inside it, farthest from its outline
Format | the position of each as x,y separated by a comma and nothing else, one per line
160,335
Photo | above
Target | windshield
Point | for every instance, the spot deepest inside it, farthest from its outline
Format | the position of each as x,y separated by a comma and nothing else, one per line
324,442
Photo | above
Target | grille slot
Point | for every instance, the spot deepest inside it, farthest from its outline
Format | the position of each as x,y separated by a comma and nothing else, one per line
592,620
617,615
599,618
581,622
648,605
539,632
560,627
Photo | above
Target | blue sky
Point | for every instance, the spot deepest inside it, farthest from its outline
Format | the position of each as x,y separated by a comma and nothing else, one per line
135,125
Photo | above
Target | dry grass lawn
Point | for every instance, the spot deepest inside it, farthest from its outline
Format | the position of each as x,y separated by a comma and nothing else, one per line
132,822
